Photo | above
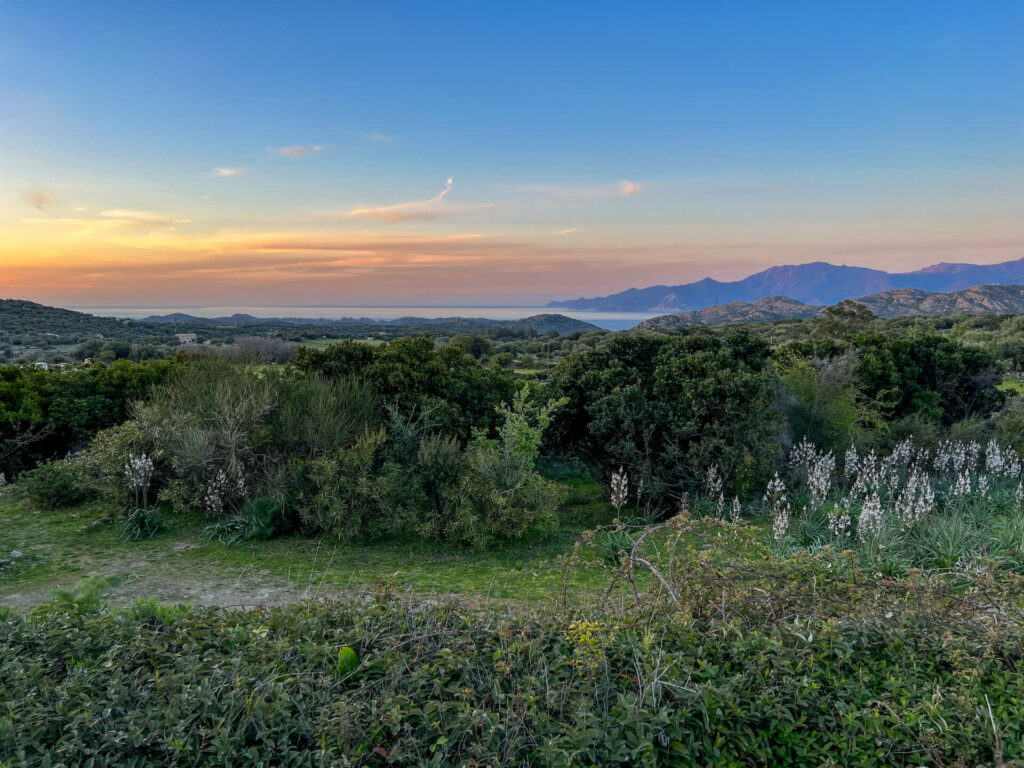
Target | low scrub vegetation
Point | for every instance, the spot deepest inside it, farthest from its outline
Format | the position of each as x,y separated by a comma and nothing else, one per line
806,554
740,663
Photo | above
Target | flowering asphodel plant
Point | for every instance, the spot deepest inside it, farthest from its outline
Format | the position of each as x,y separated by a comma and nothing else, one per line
138,472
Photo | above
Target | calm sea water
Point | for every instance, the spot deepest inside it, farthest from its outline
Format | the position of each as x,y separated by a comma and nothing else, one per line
614,321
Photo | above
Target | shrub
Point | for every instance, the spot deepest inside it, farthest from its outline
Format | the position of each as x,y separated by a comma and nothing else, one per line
222,434
369,681
53,485
85,597
347,503
493,493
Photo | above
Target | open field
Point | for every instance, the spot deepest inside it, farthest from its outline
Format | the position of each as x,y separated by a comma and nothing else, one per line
60,547
325,343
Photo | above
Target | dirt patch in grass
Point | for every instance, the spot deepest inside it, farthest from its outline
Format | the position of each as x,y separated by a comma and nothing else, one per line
179,565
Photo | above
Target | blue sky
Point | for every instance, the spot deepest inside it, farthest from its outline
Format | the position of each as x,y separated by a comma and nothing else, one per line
590,146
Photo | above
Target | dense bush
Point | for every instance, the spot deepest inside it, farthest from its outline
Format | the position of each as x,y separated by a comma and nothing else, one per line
378,680
46,414
927,373
334,455
447,382
52,485
669,408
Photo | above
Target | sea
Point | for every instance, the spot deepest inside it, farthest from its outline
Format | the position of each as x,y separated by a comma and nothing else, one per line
613,321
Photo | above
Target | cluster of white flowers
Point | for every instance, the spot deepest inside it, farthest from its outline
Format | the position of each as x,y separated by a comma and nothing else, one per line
869,474
904,453
620,489
819,477
138,470
983,486
850,463
962,486
955,457
780,519
736,509
778,505
1001,462
814,468
839,520
713,484
802,458
871,518
917,499
903,483
215,493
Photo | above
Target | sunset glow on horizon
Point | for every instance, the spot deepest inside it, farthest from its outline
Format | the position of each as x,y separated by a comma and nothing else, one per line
496,153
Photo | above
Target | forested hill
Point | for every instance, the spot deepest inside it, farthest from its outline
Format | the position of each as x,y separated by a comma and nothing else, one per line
542,323
26,323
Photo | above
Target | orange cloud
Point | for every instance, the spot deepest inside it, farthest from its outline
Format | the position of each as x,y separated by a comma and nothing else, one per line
38,198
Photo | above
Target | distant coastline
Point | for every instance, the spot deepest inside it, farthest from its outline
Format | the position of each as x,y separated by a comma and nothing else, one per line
613,321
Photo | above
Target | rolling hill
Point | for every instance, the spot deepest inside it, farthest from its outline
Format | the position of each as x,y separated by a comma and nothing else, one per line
22,322
900,302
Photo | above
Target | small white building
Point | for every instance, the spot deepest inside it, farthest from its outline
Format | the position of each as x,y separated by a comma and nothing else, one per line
42,366
186,338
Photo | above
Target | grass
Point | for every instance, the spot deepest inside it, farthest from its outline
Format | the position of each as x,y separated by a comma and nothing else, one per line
60,547
325,343
1012,384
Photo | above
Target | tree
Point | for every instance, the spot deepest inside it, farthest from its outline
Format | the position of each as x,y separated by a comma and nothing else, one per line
843,319
668,408
478,346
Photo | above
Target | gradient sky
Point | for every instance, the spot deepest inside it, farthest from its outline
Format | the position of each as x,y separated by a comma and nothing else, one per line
182,153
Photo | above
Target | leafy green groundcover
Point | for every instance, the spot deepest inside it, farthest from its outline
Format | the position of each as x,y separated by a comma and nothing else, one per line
377,680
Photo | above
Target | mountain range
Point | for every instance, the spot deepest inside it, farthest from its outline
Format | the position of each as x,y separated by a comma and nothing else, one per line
901,302
817,283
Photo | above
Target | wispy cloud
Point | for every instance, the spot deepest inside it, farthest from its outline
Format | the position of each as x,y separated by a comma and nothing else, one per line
623,188
419,209
229,171
300,150
38,198
568,231
107,223
369,136
142,218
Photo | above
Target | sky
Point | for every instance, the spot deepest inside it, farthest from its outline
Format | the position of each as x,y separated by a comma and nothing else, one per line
509,153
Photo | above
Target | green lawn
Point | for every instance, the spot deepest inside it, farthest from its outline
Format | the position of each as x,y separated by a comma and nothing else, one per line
324,343
60,547
1012,384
